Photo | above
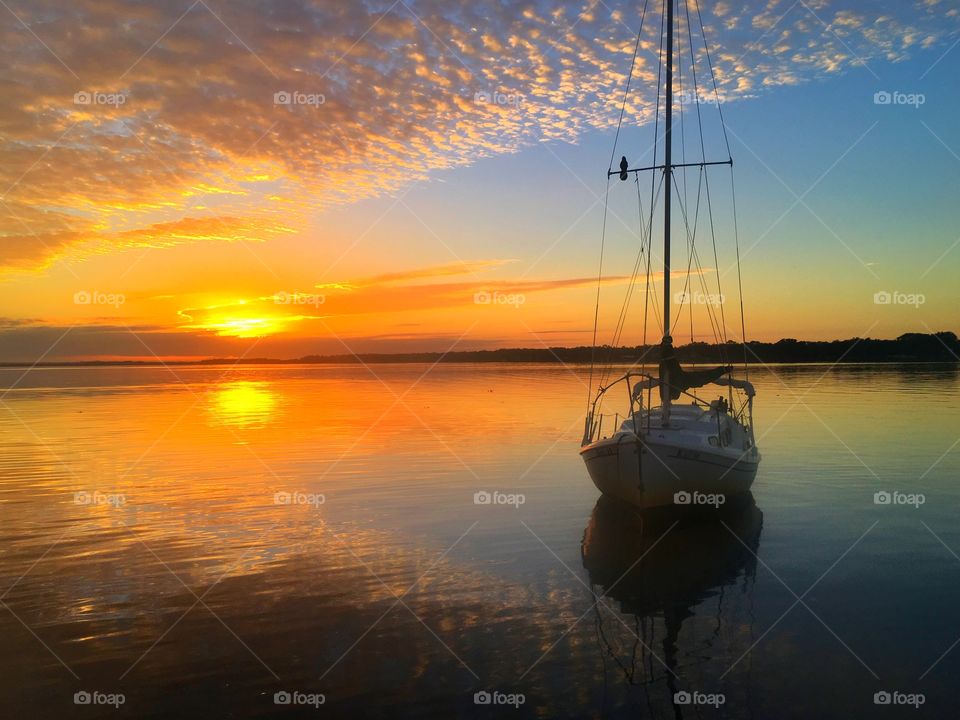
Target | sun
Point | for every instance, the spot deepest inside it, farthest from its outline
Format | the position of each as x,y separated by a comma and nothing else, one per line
241,318
248,327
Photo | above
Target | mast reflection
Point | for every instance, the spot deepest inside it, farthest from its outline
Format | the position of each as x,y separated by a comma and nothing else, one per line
667,564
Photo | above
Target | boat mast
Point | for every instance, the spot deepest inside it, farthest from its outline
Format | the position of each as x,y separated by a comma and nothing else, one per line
668,180
668,171
668,356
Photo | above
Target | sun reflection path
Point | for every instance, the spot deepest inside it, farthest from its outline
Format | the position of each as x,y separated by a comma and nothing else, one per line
245,404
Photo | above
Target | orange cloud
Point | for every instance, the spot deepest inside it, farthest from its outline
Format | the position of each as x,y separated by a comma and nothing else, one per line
29,249
125,118
384,294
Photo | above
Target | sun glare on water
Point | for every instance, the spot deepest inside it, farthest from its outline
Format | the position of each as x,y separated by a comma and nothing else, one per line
245,404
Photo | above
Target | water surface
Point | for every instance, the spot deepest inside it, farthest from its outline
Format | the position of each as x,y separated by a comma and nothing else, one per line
201,538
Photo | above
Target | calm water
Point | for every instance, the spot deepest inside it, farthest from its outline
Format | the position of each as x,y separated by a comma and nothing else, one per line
162,536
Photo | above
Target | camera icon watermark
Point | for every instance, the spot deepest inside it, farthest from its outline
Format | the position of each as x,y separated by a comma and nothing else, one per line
95,297
894,497
298,298
885,97
895,297
895,697
482,497
95,697
495,697
92,97
295,697
299,498
498,298
698,498
295,97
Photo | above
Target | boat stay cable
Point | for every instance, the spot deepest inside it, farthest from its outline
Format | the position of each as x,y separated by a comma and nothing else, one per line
606,197
689,200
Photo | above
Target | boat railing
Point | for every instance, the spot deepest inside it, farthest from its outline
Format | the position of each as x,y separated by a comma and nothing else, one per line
636,382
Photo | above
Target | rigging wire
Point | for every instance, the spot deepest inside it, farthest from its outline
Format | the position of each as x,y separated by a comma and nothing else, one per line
716,317
705,172
691,251
714,323
683,174
647,293
656,126
654,193
645,240
626,92
713,76
736,230
618,330
596,311
623,105
736,241
644,237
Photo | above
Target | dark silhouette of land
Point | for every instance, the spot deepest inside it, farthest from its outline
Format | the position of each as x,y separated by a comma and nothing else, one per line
911,347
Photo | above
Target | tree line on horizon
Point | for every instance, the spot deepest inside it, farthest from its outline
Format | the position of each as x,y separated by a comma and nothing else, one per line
910,347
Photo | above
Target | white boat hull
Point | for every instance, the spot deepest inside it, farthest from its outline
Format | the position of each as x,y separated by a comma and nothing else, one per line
650,474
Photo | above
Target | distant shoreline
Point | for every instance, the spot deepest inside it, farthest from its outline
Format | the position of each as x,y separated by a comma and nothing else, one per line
910,348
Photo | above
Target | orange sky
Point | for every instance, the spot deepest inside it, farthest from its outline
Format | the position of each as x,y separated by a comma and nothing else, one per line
333,178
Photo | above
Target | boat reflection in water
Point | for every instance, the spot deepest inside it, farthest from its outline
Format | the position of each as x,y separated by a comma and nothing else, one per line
667,622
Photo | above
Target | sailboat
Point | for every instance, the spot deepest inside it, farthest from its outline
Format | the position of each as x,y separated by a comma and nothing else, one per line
673,446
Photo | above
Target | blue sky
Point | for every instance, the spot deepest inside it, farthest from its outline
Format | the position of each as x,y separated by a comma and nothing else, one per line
888,193
201,195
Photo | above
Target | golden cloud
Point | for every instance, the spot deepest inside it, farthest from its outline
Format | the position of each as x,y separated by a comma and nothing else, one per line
384,294
123,117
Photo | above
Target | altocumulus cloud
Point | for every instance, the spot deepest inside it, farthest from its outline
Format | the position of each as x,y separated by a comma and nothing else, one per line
134,124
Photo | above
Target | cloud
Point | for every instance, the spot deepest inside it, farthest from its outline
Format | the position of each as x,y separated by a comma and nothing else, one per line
38,249
402,292
434,271
59,343
247,111
380,295
290,323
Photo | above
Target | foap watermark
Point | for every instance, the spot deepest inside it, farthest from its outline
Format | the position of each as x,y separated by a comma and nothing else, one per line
299,498
698,298
498,298
698,698
295,697
98,498
895,697
495,697
93,97
95,297
698,498
482,497
295,97
895,97
298,298
883,497
496,97
896,297
691,98
96,697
